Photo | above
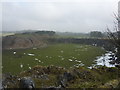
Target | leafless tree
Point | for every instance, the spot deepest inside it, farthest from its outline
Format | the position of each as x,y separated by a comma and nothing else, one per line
115,37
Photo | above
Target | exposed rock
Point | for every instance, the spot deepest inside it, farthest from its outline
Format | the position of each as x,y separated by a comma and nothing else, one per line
27,41
17,42
8,80
68,76
27,82
46,78
65,78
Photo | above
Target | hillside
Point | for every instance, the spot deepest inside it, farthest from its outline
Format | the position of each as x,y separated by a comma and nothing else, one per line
62,63
26,40
58,77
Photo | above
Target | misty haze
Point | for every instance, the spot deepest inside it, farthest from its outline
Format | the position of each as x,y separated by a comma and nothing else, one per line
60,44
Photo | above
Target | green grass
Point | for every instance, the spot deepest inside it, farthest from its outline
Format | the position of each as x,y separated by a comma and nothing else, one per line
51,55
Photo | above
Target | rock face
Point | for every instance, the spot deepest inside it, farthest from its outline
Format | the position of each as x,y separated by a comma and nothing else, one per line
9,80
65,78
15,42
26,82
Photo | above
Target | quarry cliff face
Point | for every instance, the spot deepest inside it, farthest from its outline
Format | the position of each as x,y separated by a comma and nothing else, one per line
15,42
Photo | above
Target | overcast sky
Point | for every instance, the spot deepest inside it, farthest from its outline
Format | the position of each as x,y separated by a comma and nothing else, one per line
70,16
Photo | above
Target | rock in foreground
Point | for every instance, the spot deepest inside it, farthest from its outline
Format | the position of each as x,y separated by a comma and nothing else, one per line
57,77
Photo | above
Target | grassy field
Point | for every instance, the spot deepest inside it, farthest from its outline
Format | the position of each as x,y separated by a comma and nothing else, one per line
65,55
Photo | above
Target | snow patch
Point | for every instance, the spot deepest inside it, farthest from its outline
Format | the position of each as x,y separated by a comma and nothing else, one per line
36,59
70,60
14,52
21,65
30,54
78,61
29,67
39,61
103,60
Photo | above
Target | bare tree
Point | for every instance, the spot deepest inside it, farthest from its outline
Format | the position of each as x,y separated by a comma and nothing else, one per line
115,37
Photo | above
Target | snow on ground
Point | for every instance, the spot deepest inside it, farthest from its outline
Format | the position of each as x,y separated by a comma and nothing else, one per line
21,65
36,59
14,52
103,60
100,60
30,54
29,67
78,61
39,61
77,65
70,60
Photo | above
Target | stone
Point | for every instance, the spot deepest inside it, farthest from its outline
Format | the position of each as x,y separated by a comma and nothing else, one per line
68,76
26,82
65,78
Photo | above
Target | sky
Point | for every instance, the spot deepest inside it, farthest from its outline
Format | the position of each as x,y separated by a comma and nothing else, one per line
59,15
